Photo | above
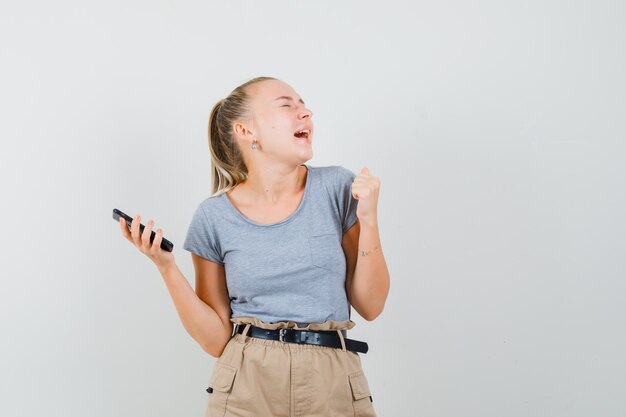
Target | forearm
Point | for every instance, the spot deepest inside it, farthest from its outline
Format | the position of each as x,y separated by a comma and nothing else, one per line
201,322
370,283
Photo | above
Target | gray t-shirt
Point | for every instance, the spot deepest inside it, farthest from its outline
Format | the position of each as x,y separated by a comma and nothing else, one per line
292,270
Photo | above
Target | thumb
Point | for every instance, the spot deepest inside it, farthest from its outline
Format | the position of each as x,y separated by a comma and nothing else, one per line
365,171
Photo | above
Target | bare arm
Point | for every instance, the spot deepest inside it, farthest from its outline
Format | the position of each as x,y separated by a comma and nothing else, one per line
367,277
205,313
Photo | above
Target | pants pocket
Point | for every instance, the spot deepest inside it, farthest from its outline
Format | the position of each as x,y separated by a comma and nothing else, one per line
219,389
361,396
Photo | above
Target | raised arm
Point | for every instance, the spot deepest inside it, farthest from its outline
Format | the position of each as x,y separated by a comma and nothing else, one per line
367,277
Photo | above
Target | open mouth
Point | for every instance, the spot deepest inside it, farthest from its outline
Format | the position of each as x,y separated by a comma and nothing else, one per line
303,134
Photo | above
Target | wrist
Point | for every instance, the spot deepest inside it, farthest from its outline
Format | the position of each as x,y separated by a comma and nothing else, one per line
166,267
371,222
367,252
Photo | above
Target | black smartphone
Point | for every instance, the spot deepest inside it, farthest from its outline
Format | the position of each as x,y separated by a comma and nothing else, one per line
165,244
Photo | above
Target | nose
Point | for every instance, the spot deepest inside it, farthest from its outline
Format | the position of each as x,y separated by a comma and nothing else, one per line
306,113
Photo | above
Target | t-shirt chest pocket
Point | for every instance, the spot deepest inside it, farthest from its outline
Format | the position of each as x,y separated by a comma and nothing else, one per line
326,252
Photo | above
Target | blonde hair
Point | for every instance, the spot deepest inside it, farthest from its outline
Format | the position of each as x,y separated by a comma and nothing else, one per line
227,165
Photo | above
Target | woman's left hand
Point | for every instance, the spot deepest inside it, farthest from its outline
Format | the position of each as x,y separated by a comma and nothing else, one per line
365,188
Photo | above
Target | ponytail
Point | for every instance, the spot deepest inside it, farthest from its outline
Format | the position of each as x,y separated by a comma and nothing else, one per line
227,166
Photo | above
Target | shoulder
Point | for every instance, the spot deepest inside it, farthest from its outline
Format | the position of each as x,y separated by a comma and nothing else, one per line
211,203
344,174
207,209
334,175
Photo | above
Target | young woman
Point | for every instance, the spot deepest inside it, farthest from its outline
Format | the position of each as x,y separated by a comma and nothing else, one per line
281,251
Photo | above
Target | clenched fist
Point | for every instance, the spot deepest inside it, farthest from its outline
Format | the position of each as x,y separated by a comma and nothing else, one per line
365,188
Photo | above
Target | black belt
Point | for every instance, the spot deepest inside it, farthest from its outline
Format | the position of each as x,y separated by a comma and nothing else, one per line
328,338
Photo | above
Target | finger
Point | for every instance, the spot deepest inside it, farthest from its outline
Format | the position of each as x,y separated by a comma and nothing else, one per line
145,237
362,191
369,181
355,192
124,228
157,239
134,229
365,171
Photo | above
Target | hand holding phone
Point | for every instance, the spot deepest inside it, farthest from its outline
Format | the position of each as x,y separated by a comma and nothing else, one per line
166,245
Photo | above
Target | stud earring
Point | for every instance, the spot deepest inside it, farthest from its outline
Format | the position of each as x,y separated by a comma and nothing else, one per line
254,145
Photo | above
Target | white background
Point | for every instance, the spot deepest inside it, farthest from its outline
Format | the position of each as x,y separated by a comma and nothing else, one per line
497,130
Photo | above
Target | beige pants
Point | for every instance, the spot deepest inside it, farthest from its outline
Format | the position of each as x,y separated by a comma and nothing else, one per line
268,378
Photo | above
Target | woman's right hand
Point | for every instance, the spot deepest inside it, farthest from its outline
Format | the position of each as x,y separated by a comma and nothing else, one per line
160,257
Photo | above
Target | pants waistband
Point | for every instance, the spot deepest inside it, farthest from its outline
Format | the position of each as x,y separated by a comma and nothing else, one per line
329,338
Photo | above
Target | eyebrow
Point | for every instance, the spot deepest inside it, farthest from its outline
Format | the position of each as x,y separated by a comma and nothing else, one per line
287,98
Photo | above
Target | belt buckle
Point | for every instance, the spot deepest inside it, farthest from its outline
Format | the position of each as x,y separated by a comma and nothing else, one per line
281,335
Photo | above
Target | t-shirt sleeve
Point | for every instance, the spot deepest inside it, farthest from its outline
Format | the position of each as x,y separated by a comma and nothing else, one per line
201,238
345,201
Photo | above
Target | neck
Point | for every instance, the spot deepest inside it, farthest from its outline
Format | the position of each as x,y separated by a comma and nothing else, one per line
272,184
